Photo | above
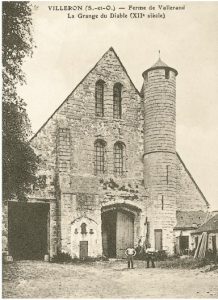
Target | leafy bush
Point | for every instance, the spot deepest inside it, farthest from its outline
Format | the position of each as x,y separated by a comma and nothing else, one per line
66,258
61,257
161,255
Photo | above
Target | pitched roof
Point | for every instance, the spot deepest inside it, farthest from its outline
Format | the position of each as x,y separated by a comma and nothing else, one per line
190,219
189,174
210,226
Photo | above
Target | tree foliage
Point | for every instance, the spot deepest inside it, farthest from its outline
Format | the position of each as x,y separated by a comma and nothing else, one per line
19,159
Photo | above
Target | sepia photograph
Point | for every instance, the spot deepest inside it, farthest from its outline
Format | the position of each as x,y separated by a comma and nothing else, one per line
109,149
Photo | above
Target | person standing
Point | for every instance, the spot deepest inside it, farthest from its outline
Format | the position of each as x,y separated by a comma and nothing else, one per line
149,254
130,253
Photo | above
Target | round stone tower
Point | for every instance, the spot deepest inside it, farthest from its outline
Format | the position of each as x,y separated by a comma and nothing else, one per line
160,171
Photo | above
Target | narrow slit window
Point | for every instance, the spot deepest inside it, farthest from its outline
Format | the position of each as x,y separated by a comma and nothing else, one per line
117,101
167,175
167,74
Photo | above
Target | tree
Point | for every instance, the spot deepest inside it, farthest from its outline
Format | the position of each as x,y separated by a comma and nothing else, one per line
19,159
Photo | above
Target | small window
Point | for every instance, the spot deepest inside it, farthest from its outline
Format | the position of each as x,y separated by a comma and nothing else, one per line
83,228
99,98
117,99
99,157
167,73
118,158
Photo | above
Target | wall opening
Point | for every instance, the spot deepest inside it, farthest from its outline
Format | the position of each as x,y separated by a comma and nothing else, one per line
117,232
167,73
184,244
109,223
28,230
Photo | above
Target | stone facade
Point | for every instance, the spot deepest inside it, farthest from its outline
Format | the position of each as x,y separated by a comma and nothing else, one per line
153,185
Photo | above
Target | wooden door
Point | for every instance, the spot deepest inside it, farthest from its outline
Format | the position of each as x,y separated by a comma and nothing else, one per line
214,244
125,233
158,239
104,241
83,249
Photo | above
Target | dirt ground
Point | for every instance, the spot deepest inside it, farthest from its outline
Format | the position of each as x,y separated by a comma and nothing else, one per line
37,279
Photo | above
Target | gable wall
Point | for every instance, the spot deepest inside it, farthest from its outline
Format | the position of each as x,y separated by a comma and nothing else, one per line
77,115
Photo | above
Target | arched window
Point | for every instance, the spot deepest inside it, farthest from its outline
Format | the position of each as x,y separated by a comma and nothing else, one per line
99,98
117,108
118,158
99,157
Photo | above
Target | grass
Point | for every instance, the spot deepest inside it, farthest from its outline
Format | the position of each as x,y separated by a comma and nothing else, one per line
184,263
66,258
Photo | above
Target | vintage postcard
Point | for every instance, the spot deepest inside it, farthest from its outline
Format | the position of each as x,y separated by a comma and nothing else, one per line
109,119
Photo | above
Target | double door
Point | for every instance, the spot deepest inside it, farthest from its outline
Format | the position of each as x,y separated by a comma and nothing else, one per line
117,233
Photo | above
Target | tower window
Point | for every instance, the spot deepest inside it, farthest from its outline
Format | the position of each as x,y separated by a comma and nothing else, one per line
99,98
117,108
99,157
167,73
118,158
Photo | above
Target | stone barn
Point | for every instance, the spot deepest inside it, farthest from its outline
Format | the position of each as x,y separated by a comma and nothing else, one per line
109,173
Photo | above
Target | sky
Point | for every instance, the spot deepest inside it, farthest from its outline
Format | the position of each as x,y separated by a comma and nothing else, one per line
67,48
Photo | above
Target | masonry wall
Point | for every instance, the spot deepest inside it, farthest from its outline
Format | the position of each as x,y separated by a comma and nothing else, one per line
190,196
66,147
77,116
210,243
160,158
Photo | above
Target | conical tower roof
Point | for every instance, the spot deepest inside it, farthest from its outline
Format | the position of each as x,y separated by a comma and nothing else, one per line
160,65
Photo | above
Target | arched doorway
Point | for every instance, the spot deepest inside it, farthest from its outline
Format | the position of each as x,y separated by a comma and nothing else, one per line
117,230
